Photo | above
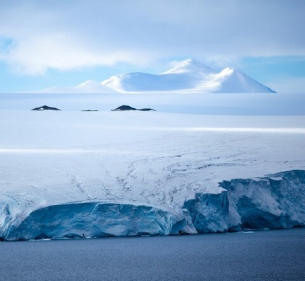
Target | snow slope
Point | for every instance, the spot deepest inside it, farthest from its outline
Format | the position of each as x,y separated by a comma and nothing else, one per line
188,76
134,173
230,80
88,86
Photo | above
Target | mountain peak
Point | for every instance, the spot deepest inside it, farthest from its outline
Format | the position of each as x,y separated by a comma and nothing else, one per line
190,65
193,62
228,71
231,80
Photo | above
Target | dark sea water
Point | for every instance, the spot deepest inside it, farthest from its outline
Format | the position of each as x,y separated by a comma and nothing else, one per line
264,255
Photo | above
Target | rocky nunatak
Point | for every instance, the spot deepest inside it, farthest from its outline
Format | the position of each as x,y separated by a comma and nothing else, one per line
129,108
45,107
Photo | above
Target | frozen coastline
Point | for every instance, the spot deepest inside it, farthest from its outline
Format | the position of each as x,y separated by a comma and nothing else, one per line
132,163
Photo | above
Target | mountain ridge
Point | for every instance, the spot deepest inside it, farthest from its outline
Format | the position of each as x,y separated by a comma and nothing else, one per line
188,76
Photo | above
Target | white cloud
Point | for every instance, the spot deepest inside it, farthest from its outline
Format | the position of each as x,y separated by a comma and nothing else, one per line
82,33
57,51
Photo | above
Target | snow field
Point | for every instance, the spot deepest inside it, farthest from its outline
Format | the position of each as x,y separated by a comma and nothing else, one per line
152,159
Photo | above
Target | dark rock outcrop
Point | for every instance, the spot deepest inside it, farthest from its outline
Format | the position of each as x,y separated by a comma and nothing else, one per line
147,109
45,107
128,108
124,108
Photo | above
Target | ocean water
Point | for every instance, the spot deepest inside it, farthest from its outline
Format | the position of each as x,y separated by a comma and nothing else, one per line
264,255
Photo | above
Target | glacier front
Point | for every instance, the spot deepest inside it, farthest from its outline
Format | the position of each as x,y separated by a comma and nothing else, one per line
97,219
274,202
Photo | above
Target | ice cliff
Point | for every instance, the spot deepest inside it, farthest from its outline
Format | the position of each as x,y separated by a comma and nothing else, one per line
98,219
274,201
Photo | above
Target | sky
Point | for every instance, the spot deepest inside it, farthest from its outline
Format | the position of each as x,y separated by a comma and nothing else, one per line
64,43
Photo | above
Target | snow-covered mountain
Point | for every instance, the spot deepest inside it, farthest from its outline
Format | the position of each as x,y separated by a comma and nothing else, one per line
230,80
188,76
89,86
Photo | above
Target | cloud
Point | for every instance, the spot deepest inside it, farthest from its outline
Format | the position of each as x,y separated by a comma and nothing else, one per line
57,51
67,35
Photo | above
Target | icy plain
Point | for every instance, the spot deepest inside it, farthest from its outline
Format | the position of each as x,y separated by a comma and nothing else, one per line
74,174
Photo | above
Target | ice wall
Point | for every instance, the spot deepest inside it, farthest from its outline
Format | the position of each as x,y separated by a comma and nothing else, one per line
275,201
97,219
4,219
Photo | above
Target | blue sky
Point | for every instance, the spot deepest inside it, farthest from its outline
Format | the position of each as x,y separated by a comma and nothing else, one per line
63,43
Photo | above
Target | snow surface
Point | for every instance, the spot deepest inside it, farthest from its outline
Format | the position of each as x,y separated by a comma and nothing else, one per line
209,104
134,163
188,76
